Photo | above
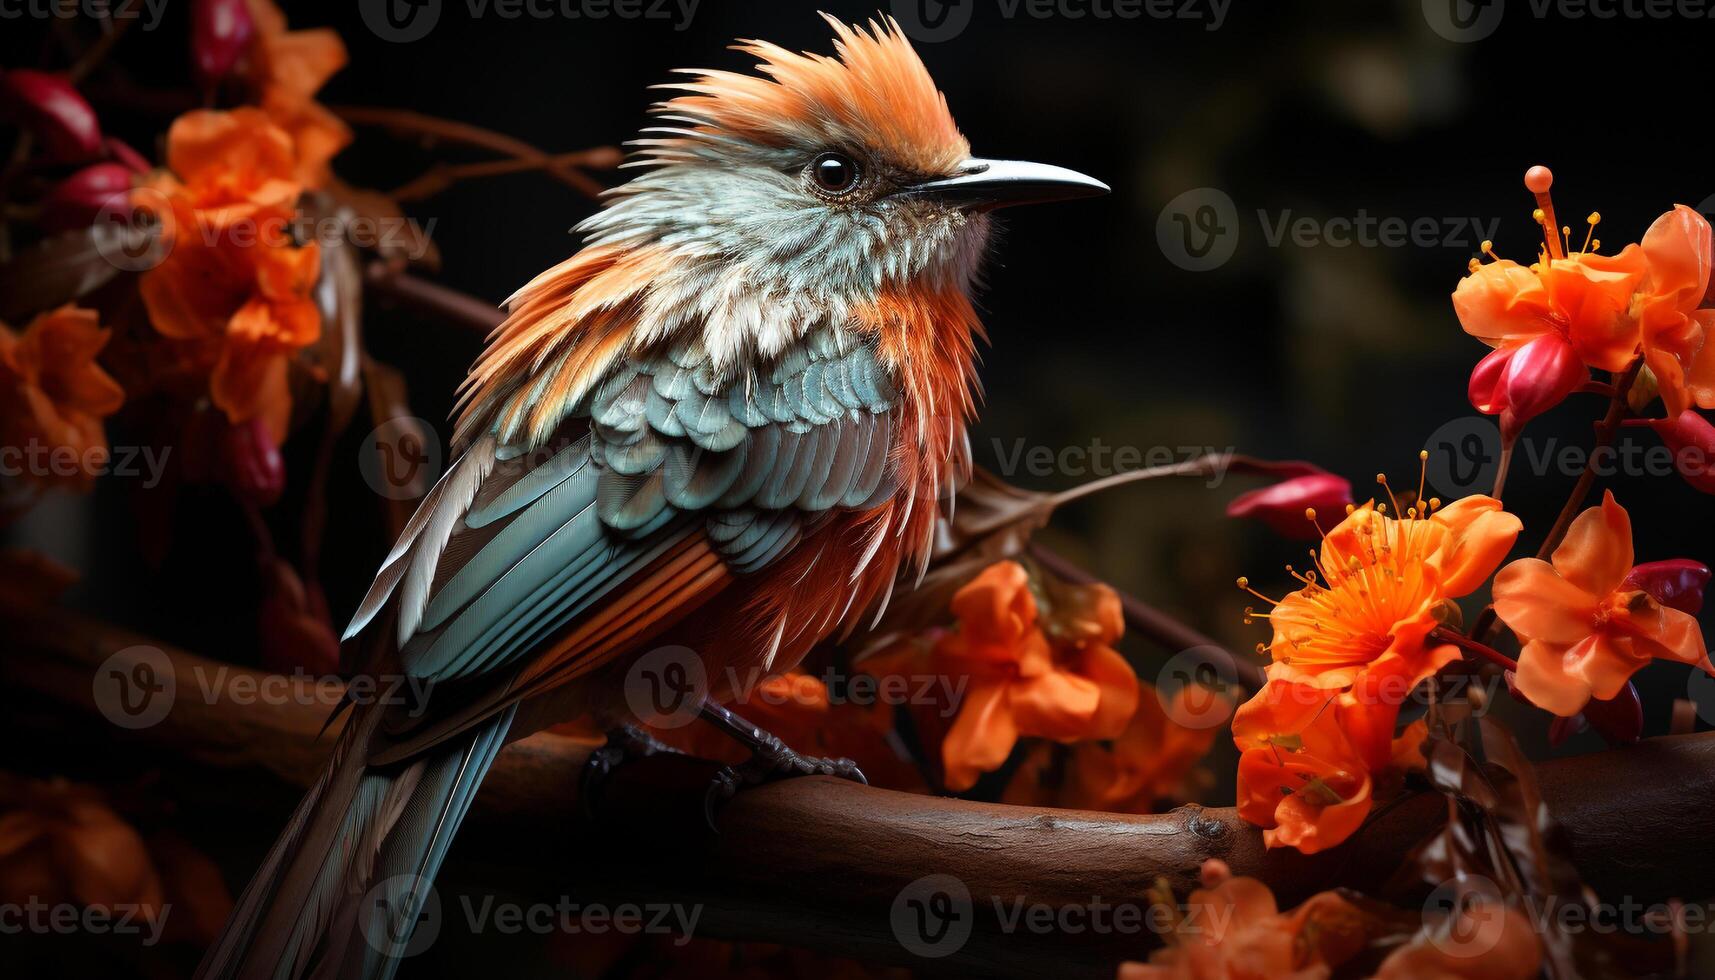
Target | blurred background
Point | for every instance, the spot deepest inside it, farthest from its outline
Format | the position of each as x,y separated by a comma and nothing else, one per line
1297,187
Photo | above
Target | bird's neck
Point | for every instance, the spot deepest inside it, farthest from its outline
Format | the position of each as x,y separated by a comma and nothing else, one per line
928,337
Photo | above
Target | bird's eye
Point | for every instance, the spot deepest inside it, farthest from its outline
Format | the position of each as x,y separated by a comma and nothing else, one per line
835,173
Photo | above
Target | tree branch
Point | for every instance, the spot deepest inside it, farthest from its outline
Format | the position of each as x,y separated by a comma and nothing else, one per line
1636,819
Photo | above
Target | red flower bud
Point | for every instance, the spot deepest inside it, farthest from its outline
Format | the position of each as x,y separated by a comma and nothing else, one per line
1620,719
1282,506
1487,394
75,201
220,34
1692,440
1520,383
1560,729
1677,583
48,106
253,467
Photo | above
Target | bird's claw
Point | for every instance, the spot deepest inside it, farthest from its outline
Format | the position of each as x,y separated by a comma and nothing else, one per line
624,742
772,760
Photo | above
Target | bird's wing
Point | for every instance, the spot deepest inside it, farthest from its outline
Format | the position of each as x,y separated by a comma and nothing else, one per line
665,481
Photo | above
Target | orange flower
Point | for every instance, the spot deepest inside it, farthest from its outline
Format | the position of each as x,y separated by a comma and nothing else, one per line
1585,632
286,70
1021,684
230,169
1582,298
1300,777
234,288
1149,761
1233,928
60,842
1382,582
1485,940
1673,330
54,395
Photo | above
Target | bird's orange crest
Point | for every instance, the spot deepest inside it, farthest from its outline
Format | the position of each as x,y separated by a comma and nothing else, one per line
874,91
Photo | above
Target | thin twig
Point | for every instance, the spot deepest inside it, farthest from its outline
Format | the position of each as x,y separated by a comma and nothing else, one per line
1465,643
435,128
443,176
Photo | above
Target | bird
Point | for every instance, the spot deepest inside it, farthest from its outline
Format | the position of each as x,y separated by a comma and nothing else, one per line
727,423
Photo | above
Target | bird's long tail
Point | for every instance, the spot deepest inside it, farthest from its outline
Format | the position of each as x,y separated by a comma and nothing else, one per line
342,891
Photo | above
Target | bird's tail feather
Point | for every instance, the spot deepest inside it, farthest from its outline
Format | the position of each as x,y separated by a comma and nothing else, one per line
342,890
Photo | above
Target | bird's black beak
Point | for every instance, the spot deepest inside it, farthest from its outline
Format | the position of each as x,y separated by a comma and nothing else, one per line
988,184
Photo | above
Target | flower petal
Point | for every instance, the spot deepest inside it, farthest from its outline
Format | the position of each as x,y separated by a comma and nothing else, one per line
980,739
1534,600
1057,704
1597,551
1480,535
1118,684
1544,679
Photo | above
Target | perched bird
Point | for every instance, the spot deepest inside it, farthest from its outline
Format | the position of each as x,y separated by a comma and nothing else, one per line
728,422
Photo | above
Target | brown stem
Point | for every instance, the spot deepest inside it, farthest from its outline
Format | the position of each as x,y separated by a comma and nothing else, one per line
443,176
1606,431
1465,643
430,298
91,59
433,127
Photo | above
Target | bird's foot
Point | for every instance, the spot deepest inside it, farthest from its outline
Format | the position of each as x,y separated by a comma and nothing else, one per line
624,742
770,760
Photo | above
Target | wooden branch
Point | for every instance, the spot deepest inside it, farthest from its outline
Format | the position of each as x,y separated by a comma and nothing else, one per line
818,861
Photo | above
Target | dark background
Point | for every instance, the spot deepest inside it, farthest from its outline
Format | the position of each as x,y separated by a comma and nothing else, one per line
1349,356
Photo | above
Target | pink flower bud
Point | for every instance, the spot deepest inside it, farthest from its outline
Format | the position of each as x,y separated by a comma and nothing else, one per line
75,201
253,466
1692,440
1282,506
220,34
1487,393
1520,383
1677,583
48,106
